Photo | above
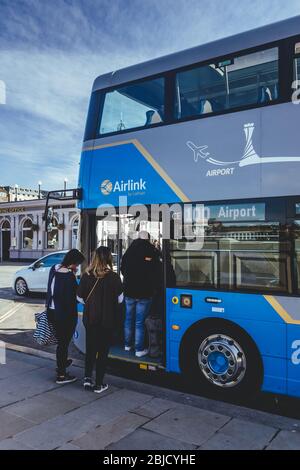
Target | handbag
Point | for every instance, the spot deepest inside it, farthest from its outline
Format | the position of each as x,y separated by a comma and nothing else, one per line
44,333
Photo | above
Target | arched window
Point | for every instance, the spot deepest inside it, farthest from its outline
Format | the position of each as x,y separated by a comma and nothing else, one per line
75,230
5,240
5,226
52,238
27,235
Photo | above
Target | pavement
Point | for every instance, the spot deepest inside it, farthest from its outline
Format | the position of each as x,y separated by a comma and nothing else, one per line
36,413
154,413
17,313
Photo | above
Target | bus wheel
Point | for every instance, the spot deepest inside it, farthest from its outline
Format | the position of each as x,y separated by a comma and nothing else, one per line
223,359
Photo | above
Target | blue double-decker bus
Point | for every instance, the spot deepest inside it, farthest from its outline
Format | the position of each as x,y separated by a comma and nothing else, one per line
216,125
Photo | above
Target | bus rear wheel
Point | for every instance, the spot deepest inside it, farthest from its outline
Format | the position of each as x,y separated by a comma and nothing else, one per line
222,359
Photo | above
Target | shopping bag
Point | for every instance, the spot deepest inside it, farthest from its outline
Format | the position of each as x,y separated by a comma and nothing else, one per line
44,333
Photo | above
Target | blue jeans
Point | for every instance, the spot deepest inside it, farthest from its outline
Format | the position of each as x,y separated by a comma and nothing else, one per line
136,314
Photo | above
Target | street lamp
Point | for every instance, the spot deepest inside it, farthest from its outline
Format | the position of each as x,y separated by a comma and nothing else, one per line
40,184
16,192
65,184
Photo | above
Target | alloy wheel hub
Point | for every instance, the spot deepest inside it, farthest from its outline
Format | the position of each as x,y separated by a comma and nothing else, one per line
21,287
222,360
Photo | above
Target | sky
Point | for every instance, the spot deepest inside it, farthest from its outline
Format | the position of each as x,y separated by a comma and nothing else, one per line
52,50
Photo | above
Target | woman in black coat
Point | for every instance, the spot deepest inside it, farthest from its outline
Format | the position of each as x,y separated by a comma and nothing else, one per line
101,292
61,307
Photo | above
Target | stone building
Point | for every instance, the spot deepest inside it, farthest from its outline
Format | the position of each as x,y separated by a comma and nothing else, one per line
17,193
22,229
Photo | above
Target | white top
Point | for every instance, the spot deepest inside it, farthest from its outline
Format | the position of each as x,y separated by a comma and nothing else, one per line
58,268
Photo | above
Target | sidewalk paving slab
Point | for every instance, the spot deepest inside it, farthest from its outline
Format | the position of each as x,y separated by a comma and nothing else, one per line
76,393
30,359
221,441
111,432
285,440
36,413
15,368
12,444
57,431
25,385
142,439
188,424
253,432
240,435
11,424
200,402
68,446
41,408
155,407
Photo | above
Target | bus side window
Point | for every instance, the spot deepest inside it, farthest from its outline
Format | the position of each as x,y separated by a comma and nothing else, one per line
243,256
133,106
233,83
297,63
296,236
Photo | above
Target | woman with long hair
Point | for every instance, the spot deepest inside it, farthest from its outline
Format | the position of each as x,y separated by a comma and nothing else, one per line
101,292
61,305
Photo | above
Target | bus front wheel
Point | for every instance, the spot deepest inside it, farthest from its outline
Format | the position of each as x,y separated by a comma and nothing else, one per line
222,358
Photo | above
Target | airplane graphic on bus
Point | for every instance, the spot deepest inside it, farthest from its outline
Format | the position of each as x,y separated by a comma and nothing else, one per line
250,156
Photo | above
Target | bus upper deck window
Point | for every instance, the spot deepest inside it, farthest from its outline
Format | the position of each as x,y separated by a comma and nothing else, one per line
132,106
296,237
297,62
231,83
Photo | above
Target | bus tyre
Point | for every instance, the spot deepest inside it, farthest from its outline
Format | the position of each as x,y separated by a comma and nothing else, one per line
222,359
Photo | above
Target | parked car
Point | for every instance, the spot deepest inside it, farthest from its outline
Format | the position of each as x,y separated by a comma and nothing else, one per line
34,278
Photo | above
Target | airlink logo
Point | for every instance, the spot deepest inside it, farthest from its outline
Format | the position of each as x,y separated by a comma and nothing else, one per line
107,187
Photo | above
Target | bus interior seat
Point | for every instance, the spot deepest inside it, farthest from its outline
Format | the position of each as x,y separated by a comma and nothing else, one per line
152,117
209,106
217,106
186,109
264,94
276,92
205,107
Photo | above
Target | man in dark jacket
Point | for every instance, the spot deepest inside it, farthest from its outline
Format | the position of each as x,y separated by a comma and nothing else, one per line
141,268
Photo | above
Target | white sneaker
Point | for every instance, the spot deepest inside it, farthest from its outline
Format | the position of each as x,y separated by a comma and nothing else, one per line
100,388
128,348
141,353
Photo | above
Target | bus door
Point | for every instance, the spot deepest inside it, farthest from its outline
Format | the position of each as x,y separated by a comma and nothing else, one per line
107,234
118,234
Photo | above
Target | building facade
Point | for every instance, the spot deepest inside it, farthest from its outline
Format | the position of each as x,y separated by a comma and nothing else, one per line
22,229
17,193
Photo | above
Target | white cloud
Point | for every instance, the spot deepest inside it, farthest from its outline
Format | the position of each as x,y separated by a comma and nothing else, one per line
47,96
50,53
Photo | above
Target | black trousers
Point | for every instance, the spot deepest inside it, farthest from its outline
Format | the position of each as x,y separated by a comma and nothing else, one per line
98,343
64,332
